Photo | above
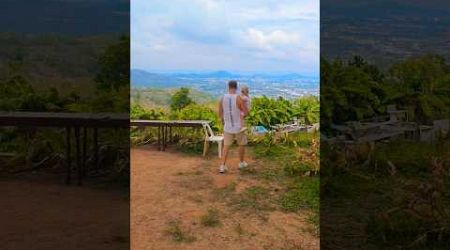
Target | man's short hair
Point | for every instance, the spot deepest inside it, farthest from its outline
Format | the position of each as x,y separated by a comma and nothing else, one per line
232,84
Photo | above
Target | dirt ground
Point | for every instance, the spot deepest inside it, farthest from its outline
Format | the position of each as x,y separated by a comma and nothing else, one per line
170,186
40,212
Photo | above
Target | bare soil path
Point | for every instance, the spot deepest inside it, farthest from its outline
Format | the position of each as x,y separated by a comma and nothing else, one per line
171,186
39,212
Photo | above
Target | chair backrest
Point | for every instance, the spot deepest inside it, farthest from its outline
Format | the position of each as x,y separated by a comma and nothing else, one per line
315,127
391,108
393,118
208,130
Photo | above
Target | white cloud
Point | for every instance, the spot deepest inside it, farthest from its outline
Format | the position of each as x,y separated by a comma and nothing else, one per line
225,34
270,40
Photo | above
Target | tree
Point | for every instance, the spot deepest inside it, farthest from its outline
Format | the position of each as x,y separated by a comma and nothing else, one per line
422,85
349,91
115,66
113,80
180,99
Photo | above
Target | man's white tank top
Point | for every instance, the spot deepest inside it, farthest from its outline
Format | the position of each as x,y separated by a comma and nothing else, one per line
231,114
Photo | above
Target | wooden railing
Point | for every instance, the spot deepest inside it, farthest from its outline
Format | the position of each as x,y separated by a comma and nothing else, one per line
79,123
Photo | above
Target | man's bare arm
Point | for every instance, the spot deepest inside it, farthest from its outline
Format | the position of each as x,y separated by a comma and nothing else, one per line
241,105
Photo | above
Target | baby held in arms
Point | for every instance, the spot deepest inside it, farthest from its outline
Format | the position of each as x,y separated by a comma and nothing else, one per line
246,99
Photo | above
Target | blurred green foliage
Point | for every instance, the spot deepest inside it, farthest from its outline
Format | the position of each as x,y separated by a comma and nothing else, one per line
356,90
270,111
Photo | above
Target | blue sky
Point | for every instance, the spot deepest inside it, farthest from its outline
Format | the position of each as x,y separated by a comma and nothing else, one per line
233,35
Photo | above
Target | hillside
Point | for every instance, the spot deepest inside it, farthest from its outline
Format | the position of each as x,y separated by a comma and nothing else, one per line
158,97
66,63
384,32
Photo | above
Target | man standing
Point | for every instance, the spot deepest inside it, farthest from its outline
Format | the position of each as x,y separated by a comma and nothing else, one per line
230,108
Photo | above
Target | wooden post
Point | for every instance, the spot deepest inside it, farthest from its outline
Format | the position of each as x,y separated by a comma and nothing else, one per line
205,146
164,138
85,139
167,135
159,138
96,149
68,149
78,154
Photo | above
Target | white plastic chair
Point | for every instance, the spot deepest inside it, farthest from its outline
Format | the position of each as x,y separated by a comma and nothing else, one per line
210,137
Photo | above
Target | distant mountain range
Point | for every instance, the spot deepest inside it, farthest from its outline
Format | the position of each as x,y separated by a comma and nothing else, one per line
142,78
384,31
214,83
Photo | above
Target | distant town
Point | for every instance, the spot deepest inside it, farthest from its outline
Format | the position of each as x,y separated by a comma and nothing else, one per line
214,83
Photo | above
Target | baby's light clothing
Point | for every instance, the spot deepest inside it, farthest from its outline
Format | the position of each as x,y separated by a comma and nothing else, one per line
246,101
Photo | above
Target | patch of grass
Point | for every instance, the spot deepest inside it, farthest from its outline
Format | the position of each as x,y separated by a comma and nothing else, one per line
211,218
284,162
338,186
256,199
271,172
295,154
285,146
197,172
272,152
406,156
302,139
314,219
272,158
291,245
190,147
177,234
194,182
248,171
297,168
303,194
225,192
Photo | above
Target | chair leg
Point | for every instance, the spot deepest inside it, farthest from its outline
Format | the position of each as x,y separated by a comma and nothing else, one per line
219,144
205,147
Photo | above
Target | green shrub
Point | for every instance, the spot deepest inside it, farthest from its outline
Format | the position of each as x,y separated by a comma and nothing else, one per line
177,234
198,112
211,219
297,168
138,112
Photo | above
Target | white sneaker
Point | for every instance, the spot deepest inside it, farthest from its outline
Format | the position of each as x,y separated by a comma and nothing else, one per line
243,165
222,169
